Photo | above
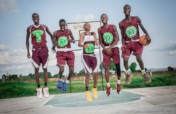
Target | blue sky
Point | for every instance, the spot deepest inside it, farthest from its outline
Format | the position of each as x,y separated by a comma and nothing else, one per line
158,17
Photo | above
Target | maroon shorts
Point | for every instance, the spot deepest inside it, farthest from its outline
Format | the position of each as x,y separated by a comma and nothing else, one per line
134,47
115,56
40,56
63,57
90,63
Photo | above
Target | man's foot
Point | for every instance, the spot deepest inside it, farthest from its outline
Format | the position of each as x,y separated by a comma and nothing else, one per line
59,85
64,87
118,88
147,77
39,92
108,90
128,78
88,96
45,92
95,93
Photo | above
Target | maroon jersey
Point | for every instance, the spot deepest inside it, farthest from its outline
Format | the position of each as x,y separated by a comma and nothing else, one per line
130,30
62,38
108,35
90,42
38,35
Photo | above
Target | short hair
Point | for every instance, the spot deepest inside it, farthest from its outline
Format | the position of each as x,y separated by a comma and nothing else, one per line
62,20
103,15
85,24
35,14
127,5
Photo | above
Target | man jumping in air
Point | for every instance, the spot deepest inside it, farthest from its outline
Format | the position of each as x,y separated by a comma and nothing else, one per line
39,51
64,53
108,37
130,42
88,41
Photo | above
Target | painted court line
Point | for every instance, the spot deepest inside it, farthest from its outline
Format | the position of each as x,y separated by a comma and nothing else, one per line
99,100
47,100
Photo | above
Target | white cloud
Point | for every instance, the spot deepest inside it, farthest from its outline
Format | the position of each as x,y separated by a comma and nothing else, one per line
81,18
17,67
172,43
8,6
172,52
12,56
3,47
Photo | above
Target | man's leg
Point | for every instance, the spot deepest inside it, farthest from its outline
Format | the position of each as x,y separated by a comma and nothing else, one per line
140,61
70,62
36,63
45,76
125,62
70,58
87,81
146,76
60,81
108,87
61,71
116,58
127,73
95,78
106,63
39,89
86,62
118,70
71,72
45,89
37,77
87,92
107,74
94,90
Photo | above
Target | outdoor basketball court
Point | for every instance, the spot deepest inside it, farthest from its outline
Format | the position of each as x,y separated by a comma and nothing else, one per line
159,100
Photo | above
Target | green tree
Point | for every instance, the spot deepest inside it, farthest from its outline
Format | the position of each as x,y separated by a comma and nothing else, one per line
133,67
55,76
31,76
112,66
169,68
49,75
81,72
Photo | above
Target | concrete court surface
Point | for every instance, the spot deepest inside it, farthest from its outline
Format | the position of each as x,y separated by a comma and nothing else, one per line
157,100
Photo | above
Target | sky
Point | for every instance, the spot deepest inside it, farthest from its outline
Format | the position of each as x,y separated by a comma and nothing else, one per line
158,17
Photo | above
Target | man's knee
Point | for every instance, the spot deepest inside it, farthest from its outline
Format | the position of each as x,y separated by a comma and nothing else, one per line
45,69
106,68
36,69
61,70
71,70
139,58
87,75
125,59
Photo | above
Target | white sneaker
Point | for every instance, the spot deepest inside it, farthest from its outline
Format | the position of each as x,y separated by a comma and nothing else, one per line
39,92
45,92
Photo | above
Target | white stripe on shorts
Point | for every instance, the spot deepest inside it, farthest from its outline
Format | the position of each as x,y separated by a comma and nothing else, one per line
85,65
34,63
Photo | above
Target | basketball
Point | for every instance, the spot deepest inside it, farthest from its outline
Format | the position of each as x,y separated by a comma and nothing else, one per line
144,41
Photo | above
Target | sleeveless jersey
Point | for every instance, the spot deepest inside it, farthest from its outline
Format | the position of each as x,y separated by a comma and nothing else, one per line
62,38
107,35
38,35
130,30
90,42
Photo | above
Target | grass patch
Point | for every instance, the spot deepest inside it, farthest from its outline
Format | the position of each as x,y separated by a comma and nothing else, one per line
20,89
